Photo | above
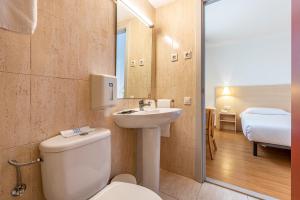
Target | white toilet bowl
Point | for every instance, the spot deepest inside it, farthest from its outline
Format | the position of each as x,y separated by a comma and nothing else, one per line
119,190
78,168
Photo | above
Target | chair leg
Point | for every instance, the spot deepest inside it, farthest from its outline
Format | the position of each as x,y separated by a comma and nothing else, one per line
210,149
215,144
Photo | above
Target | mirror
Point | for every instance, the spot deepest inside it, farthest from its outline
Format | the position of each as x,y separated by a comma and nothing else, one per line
133,54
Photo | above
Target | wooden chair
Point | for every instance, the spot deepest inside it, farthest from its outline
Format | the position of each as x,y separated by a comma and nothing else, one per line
210,123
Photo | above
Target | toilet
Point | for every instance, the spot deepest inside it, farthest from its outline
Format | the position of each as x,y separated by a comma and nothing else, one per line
78,168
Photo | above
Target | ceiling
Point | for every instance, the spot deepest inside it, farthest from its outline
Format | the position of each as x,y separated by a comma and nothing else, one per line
159,3
239,19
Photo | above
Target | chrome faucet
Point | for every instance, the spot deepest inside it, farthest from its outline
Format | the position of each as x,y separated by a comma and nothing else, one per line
142,104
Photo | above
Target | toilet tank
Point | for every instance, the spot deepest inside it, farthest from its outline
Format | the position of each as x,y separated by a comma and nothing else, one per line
76,168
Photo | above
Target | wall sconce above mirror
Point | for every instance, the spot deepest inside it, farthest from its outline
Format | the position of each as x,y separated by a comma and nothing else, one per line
136,12
134,64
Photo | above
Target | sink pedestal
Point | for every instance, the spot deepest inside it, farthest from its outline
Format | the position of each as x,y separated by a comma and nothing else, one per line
148,151
148,158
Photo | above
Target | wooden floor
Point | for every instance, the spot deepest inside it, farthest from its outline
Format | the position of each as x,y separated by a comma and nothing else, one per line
269,173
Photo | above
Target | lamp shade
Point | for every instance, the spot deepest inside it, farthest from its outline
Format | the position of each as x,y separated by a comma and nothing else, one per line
226,91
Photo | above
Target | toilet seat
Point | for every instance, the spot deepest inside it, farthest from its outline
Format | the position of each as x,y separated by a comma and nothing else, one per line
125,191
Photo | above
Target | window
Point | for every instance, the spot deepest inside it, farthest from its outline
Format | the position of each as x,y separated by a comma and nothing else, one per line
121,62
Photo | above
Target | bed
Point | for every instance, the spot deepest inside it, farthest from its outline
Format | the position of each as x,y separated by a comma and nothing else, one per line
267,126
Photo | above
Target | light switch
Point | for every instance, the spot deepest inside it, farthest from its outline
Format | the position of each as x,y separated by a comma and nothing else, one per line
187,55
132,63
174,57
141,62
187,100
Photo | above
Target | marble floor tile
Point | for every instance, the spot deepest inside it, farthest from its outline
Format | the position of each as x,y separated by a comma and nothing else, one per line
179,187
176,187
166,197
213,192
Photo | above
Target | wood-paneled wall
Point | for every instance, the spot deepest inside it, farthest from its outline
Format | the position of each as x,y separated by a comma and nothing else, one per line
243,97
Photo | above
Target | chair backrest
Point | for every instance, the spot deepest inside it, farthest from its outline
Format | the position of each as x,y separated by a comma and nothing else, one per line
207,118
210,121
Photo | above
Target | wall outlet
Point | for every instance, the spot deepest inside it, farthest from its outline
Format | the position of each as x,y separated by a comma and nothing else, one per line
141,62
174,57
132,63
188,55
187,100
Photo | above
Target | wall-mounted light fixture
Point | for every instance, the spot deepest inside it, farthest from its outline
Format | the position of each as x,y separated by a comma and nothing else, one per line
136,12
226,91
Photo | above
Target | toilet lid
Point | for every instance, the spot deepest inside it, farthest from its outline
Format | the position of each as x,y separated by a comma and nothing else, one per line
125,191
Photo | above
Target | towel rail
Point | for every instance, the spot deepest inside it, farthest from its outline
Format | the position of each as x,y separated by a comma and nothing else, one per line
20,187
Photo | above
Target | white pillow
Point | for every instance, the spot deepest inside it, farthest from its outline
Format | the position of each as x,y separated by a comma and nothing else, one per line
265,111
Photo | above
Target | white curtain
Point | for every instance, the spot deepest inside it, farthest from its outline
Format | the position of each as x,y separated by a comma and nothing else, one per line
18,15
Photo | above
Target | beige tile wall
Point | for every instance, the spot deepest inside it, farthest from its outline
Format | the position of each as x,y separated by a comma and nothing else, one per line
181,22
44,86
177,21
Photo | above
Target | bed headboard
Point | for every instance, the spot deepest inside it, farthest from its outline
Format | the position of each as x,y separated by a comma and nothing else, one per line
243,97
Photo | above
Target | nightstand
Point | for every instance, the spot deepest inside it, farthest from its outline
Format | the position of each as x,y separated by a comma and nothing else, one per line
227,121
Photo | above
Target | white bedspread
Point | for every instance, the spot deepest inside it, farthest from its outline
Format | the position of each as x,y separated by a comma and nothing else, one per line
267,128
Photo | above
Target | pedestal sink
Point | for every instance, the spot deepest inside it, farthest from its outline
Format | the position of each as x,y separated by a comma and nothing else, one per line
148,122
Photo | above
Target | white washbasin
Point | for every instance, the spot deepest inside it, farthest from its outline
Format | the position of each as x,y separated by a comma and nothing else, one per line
149,122
150,118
